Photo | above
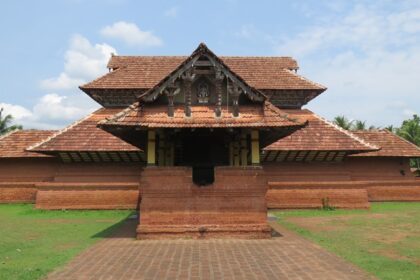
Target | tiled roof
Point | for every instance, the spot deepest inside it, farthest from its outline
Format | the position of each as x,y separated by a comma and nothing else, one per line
319,135
391,144
144,72
257,115
84,135
283,62
13,145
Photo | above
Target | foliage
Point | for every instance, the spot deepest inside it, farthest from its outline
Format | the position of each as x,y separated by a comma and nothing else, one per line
34,242
346,124
343,122
326,204
383,240
5,122
410,130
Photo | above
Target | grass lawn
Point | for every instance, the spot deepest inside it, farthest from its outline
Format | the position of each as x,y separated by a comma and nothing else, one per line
34,242
384,240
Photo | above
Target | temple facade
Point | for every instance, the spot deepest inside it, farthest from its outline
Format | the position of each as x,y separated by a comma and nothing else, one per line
203,145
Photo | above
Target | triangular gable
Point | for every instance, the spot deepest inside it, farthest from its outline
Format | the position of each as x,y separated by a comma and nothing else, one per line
183,71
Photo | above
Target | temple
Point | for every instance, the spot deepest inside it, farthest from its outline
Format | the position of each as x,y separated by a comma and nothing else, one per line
203,145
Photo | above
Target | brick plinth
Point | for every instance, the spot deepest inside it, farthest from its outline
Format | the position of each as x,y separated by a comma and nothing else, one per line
173,206
54,195
17,192
313,198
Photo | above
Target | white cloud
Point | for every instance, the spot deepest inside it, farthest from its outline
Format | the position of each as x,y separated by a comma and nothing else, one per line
18,112
83,61
171,12
247,31
63,81
369,59
52,111
131,34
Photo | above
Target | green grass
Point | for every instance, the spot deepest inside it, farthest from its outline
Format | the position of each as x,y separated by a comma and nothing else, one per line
34,242
384,240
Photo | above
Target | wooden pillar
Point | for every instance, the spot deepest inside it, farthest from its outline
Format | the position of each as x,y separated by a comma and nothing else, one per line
151,147
169,154
236,153
161,149
244,149
255,147
231,153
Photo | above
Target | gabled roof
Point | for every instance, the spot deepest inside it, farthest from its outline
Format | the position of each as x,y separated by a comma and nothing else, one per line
84,135
391,144
144,72
202,51
254,115
14,144
319,135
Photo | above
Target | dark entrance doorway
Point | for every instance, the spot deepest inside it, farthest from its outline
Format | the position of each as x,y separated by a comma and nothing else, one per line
203,149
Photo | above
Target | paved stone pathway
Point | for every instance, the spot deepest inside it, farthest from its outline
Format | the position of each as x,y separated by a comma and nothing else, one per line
285,257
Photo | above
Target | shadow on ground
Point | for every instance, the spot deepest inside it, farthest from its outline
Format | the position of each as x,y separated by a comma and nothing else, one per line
126,228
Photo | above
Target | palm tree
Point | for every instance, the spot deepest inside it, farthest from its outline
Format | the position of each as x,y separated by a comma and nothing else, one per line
5,122
343,122
359,125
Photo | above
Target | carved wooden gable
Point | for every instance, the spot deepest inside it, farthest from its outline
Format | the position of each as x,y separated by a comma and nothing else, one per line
203,79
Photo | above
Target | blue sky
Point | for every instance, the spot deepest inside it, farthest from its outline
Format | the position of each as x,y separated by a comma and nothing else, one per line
366,52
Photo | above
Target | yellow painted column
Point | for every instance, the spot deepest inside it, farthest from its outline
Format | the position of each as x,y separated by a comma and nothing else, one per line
151,147
255,147
244,150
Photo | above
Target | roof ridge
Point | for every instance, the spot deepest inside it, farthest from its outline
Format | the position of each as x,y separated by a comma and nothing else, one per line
224,56
9,133
283,114
403,139
348,133
103,76
305,79
120,114
36,145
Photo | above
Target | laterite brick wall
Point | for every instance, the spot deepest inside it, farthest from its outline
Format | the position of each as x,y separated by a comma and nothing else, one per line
349,184
53,195
233,206
56,185
18,178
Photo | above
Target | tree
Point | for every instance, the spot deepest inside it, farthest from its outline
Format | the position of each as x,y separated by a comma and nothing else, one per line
391,128
5,122
358,125
343,122
410,131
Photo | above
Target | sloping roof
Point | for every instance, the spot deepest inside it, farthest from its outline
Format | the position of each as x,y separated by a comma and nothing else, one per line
202,51
14,144
84,135
391,145
319,135
256,115
144,72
